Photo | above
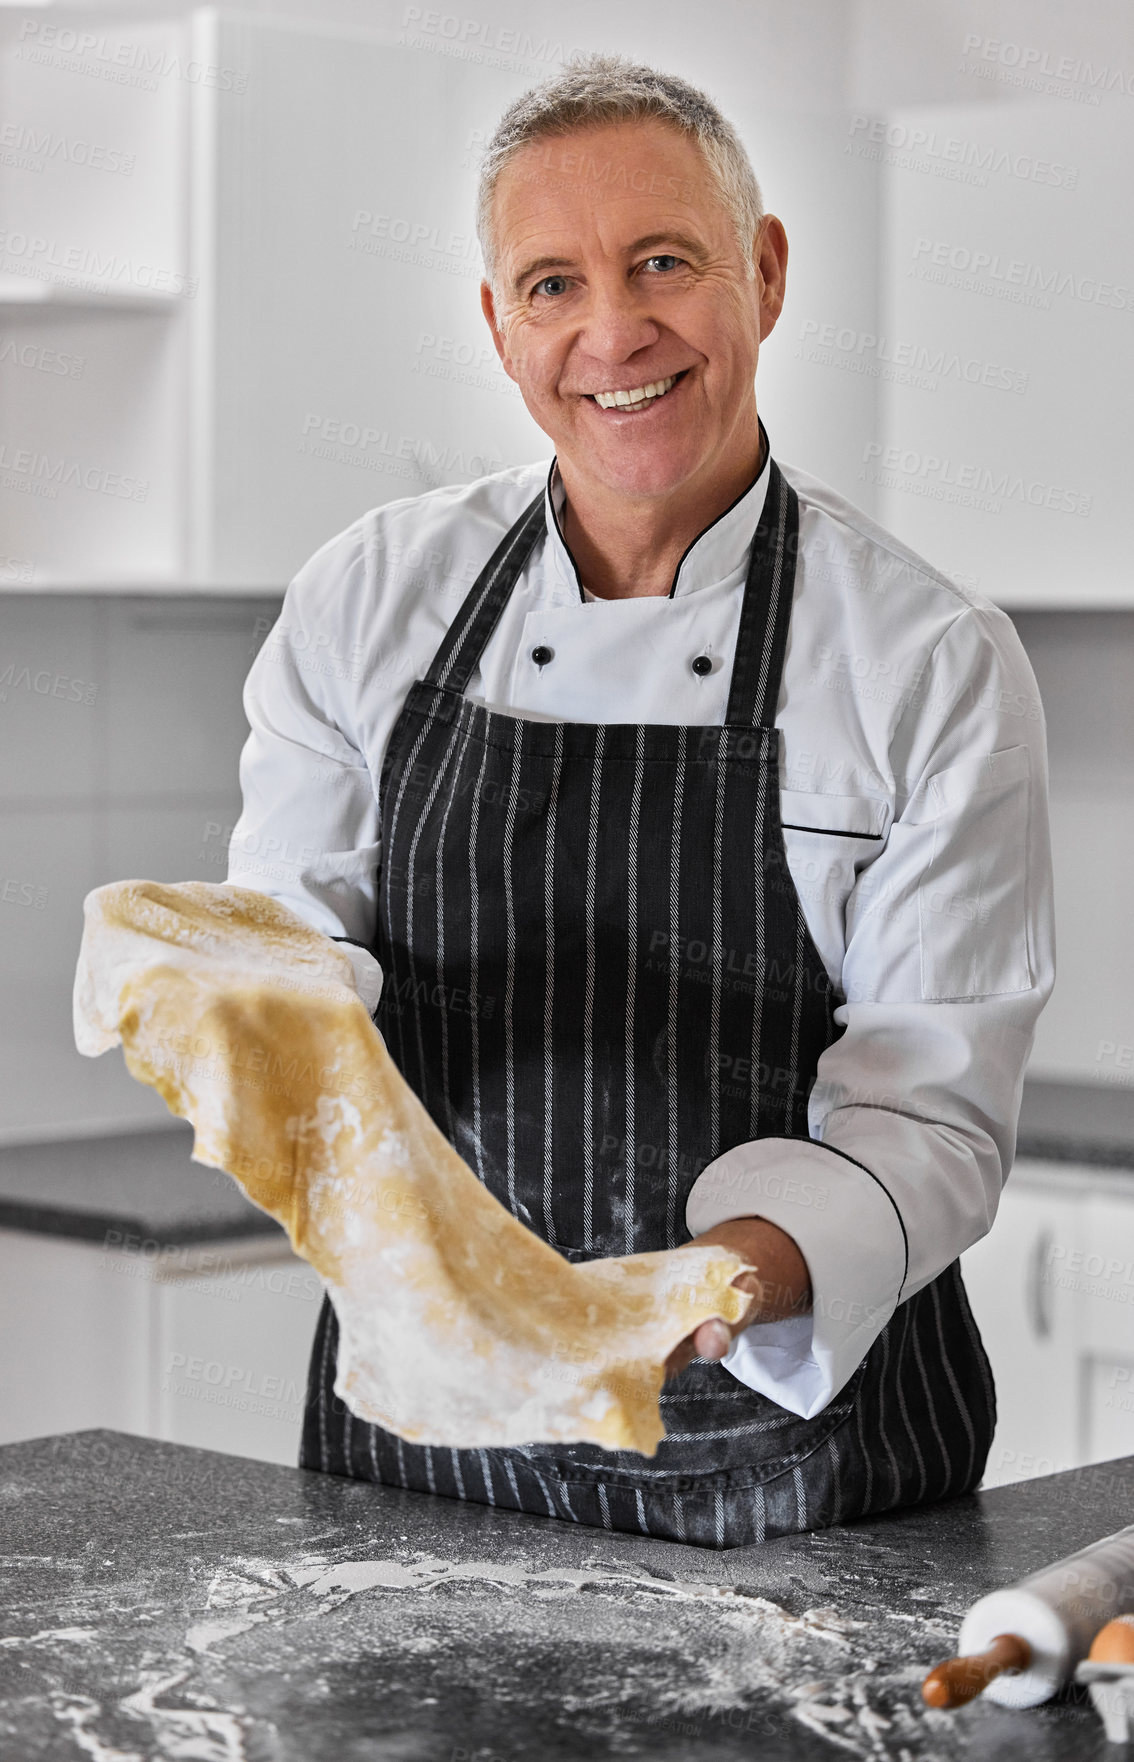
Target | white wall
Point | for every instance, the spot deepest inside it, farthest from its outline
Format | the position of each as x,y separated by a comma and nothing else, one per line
119,736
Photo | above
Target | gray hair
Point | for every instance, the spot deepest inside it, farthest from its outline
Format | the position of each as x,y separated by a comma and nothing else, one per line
595,89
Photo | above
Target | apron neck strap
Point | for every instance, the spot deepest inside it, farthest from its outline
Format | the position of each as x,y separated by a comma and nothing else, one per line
761,641
455,661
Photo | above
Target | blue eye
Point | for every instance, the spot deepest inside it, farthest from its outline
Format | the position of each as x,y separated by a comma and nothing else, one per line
551,285
665,261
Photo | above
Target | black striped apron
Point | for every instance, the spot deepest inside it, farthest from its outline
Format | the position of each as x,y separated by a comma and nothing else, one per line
598,978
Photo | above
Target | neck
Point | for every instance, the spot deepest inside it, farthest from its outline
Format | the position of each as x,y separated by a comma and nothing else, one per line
630,548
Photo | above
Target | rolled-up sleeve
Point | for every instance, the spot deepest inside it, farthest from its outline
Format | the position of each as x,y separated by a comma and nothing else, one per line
308,832
949,958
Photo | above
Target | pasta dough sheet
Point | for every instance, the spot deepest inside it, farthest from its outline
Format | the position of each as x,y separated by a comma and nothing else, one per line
458,1326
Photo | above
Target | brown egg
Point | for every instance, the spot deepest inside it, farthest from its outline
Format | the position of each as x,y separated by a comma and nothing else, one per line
1114,1643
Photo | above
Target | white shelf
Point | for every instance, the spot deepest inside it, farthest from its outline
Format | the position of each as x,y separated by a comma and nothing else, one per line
145,586
17,291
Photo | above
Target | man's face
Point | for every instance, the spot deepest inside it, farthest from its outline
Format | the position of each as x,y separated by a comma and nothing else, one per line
618,268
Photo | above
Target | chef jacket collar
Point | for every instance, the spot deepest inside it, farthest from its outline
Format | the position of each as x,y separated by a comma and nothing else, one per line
715,553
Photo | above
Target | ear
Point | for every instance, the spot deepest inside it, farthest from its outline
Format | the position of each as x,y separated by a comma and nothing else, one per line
769,257
488,307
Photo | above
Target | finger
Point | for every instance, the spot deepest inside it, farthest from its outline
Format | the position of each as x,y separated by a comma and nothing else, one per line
712,1339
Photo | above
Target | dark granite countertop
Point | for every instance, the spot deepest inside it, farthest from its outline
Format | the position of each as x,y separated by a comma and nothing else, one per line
163,1602
1078,1123
133,1188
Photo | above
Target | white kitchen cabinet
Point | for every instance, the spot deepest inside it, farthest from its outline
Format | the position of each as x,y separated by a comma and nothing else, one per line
96,297
997,240
205,1345
75,1323
241,307
1108,1342
343,361
1027,1323
1052,1289
232,1338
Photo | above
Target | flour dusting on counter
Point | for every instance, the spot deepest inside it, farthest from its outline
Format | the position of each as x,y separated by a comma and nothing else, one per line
746,1664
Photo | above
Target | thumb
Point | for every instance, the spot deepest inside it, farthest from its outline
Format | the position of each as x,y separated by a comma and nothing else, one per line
712,1339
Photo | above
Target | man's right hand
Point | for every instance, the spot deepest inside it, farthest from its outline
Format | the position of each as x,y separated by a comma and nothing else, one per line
780,1286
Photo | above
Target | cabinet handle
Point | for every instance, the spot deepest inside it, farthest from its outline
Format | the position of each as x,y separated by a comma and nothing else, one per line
1040,1295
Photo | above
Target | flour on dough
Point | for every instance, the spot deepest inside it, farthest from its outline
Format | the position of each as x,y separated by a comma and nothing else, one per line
458,1326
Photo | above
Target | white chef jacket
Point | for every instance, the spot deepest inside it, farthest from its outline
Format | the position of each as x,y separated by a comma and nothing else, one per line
914,804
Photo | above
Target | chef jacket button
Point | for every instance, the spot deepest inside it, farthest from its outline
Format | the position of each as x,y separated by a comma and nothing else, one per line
701,664
542,655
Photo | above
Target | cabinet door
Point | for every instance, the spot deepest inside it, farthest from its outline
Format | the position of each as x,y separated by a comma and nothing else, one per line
75,1322
1024,1299
1104,1276
233,1340
969,268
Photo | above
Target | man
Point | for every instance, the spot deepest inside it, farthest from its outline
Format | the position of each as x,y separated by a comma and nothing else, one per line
703,849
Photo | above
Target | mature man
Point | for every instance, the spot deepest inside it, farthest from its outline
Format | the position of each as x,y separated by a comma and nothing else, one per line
706,861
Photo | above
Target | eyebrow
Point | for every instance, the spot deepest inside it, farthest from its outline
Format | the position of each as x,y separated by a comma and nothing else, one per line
689,247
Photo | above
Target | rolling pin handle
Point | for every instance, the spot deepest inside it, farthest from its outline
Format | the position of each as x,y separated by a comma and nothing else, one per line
959,1680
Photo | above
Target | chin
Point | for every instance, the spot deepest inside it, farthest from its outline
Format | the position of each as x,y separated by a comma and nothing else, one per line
649,466
642,477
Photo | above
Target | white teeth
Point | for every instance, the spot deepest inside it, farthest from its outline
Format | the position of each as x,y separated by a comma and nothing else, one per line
656,389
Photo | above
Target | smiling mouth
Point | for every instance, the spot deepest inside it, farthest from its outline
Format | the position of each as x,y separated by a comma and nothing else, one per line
640,397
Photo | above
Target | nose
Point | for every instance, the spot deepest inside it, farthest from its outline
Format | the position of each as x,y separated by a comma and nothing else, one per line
617,323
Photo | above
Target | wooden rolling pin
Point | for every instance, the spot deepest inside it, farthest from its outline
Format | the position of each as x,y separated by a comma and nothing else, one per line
1019,1646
